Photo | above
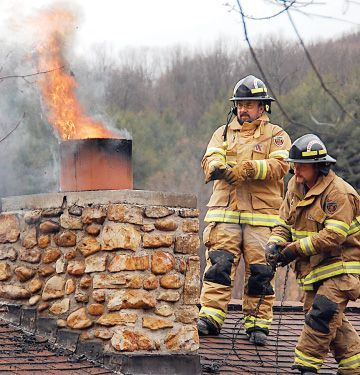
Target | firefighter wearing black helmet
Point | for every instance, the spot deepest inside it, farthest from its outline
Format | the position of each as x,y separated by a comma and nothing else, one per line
252,88
246,160
319,229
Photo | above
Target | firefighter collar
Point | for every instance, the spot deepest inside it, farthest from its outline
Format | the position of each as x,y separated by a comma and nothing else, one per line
306,198
263,120
322,183
234,124
257,125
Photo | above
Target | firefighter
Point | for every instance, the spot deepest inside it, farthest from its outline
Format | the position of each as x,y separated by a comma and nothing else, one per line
320,229
246,160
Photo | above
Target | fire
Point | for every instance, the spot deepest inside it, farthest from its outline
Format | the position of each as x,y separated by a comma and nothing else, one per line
58,87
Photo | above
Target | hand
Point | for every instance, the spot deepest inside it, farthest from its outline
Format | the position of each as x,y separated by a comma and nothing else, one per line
216,171
272,252
229,176
288,254
244,170
220,171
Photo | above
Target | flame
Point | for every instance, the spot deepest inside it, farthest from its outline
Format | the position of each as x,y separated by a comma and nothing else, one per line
58,86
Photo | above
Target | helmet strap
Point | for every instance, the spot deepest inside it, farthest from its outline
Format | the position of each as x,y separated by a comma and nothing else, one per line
228,120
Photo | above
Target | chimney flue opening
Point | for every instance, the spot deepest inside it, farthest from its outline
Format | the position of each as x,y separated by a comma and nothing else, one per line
96,164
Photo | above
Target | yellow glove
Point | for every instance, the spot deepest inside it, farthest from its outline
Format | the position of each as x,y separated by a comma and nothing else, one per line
245,170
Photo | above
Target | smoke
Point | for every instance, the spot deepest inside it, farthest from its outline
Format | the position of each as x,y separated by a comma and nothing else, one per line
29,157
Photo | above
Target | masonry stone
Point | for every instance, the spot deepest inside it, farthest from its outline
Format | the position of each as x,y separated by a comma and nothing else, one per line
65,238
70,222
187,244
49,226
162,262
8,252
167,224
88,245
117,319
9,228
157,240
5,271
54,288
120,236
30,240
79,319
131,341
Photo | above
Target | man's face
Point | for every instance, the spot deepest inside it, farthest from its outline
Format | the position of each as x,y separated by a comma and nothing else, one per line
249,110
306,173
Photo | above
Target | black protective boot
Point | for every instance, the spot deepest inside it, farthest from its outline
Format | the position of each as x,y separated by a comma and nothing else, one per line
207,328
304,370
258,337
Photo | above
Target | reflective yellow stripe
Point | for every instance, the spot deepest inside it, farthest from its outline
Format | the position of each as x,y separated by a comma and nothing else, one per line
304,287
334,269
307,247
299,234
253,321
235,217
351,362
219,152
307,361
354,226
218,315
275,238
313,153
337,226
259,89
223,216
261,172
215,150
280,154
258,219
282,223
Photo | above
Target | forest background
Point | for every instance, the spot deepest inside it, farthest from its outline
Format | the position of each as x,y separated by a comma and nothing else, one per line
171,101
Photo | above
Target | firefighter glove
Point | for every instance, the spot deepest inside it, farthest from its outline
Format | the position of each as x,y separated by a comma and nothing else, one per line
288,254
216,171
272,252
245,170
229,176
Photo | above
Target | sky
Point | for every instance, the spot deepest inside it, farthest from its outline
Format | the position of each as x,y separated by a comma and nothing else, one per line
160,23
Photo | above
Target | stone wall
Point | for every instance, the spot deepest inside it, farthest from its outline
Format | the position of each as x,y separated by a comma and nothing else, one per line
118,268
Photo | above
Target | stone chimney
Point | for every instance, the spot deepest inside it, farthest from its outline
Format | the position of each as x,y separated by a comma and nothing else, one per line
113,275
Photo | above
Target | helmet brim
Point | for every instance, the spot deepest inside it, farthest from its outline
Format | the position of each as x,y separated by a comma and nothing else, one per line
269,99
326,159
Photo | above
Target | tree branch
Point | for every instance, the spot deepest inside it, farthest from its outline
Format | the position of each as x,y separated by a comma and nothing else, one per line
29,75
15,127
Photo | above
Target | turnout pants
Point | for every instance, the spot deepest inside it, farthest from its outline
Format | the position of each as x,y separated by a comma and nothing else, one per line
326,327
226,243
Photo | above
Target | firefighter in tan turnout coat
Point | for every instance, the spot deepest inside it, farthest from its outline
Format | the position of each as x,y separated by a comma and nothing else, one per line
246,160
320,229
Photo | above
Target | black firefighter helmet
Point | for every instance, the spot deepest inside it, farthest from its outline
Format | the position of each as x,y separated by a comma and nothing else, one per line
310,149
252,88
